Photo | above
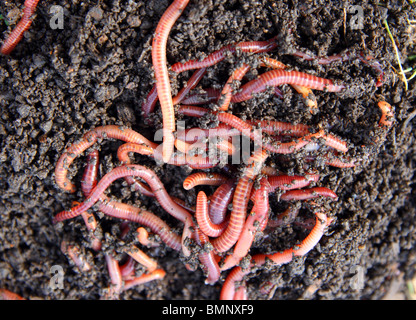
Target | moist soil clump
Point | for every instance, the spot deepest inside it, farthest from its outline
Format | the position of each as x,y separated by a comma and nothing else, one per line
59,83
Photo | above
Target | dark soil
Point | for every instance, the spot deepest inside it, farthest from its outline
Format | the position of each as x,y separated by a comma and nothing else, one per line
58,84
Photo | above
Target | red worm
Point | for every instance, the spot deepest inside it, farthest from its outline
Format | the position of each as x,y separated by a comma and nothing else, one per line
8,295
227,91
124,134
286,217
141,257
128,268
277,127
209,95
143,238
66,159
130,213
387,116
240,200
194,134
221,54
17,34
237,273
251,226
115,276
74,253
192,83
204,178
220,200
193,111
278,77
162,76
285,182
207,258
307,194
155,275
149,104
203,219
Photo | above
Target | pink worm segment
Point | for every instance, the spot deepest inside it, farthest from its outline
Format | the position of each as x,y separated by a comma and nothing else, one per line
159,60
220,200
203,219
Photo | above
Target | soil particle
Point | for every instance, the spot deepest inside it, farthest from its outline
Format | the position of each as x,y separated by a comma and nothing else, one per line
58,84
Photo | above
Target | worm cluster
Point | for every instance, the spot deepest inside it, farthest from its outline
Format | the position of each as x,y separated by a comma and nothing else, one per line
219,230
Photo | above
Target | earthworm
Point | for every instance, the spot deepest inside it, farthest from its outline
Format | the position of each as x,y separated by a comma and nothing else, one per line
286,217
285,182
68,157
227,91
194,134
240,200
207,96
193,111
128,268
155,275
203,219
110,132
74,253
279,77
204,178
123,155
141,257
17,34
237,273
192,83
183,204
207,258
159,60
131,213
251,225
219,55
220,200
276,127
149,104
387,116
8,295
306,92
115,276
88,182
306,194
143,238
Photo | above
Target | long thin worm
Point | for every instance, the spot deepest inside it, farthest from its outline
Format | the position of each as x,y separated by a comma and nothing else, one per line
307,194
17,34
141,257
8,295
203,219
159,60
240,200
279,77
155,275
220,200
227,91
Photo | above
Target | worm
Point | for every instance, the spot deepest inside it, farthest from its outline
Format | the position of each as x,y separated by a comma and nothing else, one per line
227,91
251,225
387,116
89,139
204,178
306,92
115,276
307,194
143,238
240,200
130,213
207,258
237,273
17,34
208,95
128,268
155,275
193,111
279,77
66,159
149,104
192,83
74,253
220,200
276,127
285,182
8,295
162,76
221,54
203,219
141,257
